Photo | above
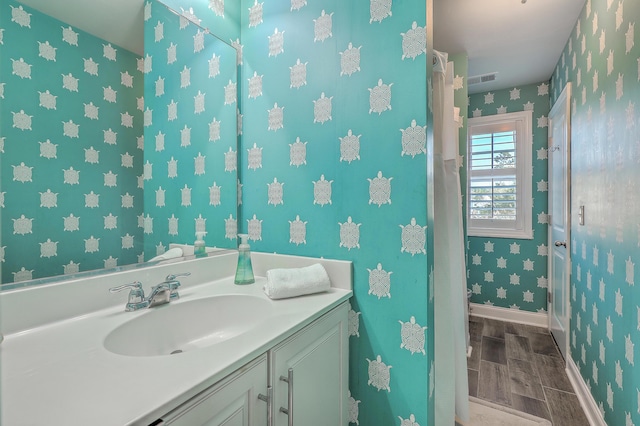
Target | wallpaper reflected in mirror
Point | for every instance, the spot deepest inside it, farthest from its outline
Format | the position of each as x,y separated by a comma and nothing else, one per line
190,134
71,145
78,144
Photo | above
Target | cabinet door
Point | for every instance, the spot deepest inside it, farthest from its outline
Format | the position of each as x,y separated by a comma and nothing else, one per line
231,402
317,360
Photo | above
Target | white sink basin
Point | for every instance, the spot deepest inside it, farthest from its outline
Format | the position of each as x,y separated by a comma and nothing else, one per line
188,325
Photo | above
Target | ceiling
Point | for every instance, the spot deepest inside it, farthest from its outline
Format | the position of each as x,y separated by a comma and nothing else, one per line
522,42
118,21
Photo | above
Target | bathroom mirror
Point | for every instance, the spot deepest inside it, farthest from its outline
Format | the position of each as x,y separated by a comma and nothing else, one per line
190,121
111,149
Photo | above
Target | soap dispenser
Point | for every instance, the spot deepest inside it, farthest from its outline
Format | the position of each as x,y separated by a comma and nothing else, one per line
244,272
199,248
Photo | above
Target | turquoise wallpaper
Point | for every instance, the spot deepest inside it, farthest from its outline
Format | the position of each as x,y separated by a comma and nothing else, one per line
71,134
602,61
504,272
334,164
220,16
190,157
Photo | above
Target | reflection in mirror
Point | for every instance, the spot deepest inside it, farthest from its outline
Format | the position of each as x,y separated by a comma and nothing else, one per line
72,150
70,127
190,132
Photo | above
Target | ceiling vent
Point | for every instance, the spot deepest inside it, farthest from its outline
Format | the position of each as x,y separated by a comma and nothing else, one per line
485,78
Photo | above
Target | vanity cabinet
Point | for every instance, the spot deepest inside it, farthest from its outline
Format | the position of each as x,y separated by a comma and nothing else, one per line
301,381
309,374
232,402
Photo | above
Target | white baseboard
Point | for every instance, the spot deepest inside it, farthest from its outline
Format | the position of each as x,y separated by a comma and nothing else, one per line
587,402
536,319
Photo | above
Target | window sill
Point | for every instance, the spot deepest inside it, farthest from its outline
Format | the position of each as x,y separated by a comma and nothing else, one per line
500,233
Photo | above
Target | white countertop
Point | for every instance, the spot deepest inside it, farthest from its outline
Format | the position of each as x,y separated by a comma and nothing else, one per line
61,374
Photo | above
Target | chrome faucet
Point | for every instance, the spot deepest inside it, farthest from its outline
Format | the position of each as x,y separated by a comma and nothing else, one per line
160,294
136,296
166,291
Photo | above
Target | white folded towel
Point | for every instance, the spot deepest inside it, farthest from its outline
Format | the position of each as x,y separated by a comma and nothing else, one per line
169,254
284,283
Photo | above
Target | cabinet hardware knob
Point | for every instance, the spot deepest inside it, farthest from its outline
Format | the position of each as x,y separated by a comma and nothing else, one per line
561,244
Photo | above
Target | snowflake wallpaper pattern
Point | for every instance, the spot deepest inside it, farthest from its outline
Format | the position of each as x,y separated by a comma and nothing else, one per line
334,164
602,61
505,272
190,128
70,152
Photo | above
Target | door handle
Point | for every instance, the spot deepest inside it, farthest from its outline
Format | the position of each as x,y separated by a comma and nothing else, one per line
561,243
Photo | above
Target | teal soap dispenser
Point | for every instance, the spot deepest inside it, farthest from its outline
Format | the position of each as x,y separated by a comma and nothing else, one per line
244,272
199,248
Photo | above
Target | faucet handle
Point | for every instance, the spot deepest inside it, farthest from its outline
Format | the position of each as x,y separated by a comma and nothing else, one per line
172,277
174,284
136,289
136,295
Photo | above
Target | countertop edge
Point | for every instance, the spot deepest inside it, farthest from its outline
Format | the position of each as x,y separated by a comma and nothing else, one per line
169,405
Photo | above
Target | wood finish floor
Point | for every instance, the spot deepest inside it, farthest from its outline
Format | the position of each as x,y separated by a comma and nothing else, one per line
519,366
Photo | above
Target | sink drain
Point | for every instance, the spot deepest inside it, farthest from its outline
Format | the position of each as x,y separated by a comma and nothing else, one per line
177,351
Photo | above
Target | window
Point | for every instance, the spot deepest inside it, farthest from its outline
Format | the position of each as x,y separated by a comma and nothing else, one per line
499,176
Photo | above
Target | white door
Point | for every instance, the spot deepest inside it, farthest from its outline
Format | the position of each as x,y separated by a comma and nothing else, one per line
310,374
559,223
234,401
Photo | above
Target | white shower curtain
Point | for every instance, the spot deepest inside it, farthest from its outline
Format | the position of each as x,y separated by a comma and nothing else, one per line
451,316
